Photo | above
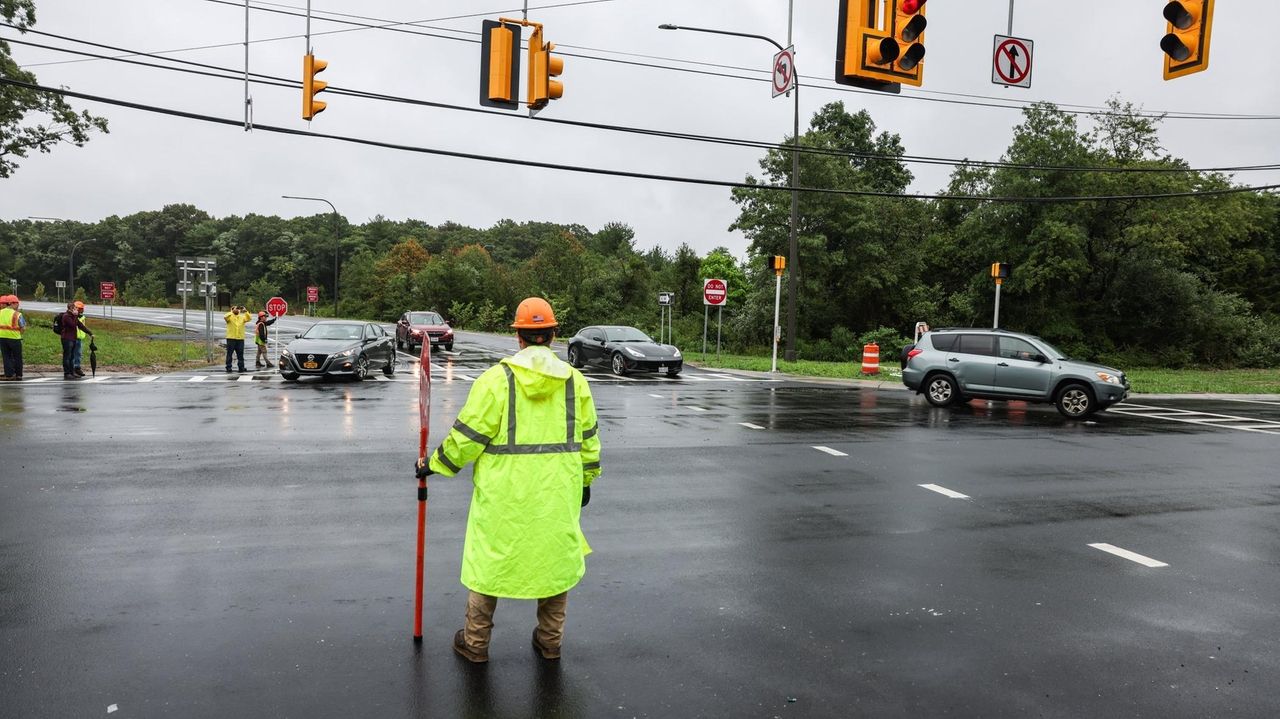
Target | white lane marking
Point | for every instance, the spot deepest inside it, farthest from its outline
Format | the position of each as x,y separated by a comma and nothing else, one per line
830,451
748,425
697,409
378,378
1255,401
1131,556
199,378
39,379
1204,419
96,379
245,378
944,491
151,378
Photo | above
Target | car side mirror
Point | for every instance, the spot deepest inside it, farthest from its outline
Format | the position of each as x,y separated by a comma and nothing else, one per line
298,336
1041,359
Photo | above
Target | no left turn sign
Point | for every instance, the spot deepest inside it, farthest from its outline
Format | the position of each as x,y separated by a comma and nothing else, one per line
784,71
1011,63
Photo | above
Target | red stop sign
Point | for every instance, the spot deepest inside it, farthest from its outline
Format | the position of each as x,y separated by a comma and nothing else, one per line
276,306
714,292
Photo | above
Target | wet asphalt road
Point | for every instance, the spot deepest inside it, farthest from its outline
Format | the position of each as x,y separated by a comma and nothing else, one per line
219,547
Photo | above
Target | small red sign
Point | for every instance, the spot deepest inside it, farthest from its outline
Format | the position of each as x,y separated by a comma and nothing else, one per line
276,307
313,294
714,292
107,290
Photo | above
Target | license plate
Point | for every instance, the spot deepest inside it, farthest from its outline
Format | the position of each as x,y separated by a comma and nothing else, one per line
310,365
662,368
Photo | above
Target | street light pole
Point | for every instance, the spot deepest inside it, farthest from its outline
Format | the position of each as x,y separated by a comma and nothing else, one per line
794,243
335,243
71,265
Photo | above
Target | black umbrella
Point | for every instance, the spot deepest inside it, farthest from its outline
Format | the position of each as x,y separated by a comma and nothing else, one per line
93,357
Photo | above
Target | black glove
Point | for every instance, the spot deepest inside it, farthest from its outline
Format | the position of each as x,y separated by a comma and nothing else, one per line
586,496
422,471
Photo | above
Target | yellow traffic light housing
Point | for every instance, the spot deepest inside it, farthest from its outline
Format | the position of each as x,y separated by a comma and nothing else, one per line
1000,271
1186,40
500,64
776,263
311,86
543,67
881,50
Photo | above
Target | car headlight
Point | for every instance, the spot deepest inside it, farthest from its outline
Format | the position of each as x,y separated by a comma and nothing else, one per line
344,353
675,352
285,352
634,352
1108,378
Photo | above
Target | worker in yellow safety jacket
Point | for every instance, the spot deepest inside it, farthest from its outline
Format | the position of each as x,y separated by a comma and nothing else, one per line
530,426
11,328
236,319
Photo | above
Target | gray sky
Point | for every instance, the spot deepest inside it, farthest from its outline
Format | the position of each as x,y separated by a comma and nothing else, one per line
147,161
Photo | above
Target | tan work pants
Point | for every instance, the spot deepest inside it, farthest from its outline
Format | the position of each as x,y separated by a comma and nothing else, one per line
480,609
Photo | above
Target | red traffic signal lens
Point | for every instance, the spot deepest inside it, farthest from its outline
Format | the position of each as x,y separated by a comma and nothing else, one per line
910,7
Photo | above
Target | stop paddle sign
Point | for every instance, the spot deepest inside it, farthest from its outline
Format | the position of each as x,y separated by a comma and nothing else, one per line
277,307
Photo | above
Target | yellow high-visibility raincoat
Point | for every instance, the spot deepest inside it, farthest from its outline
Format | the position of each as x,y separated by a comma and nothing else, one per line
235,324
530,426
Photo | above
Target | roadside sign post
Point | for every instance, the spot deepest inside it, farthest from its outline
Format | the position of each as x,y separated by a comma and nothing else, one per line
313,296
665,313
107,291
205,266
276,307
714,292
61,285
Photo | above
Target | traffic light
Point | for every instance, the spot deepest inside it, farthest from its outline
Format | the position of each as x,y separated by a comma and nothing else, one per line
543,66
311,86
880,50
500,65
1000,271
1186,40
775,263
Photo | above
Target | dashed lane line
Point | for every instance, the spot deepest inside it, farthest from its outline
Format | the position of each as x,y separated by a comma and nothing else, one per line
748,425
830,451
655,396
1131,556
695,408
944,491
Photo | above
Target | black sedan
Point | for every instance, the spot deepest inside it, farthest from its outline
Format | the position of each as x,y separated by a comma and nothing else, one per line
334,348
623,349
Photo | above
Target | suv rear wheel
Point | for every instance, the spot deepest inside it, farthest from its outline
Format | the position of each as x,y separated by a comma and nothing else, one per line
940,390
1075,401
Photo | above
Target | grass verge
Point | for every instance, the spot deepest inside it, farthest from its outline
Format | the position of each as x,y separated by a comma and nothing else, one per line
1143,380
122,346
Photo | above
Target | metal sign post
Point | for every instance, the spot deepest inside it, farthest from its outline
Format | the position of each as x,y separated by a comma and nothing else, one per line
664,317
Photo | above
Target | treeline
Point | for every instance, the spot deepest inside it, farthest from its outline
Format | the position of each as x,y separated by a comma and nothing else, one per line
1170,281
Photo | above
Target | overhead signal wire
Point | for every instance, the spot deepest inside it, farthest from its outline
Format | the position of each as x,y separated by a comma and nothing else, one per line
627,173
275,81
397,26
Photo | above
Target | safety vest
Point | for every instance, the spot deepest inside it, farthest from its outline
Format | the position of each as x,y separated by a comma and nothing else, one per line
530,426
9,327
80,334
235,325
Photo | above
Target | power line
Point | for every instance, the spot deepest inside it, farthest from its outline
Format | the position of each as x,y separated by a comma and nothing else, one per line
259,78
627,173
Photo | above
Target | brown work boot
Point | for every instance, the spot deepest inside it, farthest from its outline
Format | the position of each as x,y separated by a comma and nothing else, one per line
466,652
544,651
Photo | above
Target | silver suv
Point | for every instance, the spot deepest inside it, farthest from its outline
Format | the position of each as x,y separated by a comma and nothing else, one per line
957,364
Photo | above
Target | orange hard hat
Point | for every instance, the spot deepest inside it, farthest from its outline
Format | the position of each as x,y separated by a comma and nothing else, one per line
79,305
534,314
6,299
261,313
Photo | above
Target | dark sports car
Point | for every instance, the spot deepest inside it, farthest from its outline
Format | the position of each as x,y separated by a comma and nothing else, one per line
334,348
623,349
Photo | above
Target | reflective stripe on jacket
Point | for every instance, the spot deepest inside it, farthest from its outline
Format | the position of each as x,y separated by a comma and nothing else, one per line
235,325
9,328
530,426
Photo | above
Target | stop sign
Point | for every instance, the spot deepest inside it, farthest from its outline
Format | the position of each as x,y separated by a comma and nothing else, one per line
714,292
276,306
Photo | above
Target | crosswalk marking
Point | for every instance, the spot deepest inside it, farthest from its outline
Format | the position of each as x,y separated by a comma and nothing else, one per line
1131,556
1204,419
830,451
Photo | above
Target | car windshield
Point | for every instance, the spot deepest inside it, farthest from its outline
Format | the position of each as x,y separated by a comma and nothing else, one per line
625,334
1053,351
332,332
425,318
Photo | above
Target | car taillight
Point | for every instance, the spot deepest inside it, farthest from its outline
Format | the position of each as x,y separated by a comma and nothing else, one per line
913,353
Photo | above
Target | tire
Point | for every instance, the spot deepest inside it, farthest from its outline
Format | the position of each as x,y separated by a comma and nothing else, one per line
1075,401
618,364
362,368
289,376
389,369
575,357
941,390
448,347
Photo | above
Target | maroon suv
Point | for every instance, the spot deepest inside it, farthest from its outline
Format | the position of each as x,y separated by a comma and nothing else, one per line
413,326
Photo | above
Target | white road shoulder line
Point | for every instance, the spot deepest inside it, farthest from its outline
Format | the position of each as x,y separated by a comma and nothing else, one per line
830,451
1131,556
944,491
748,425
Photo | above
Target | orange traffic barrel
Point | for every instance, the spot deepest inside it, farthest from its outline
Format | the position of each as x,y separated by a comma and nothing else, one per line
871,359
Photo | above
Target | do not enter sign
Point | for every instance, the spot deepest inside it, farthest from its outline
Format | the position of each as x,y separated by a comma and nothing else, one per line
714,292
277,307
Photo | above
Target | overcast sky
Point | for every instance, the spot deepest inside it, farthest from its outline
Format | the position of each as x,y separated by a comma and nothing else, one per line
1104,48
